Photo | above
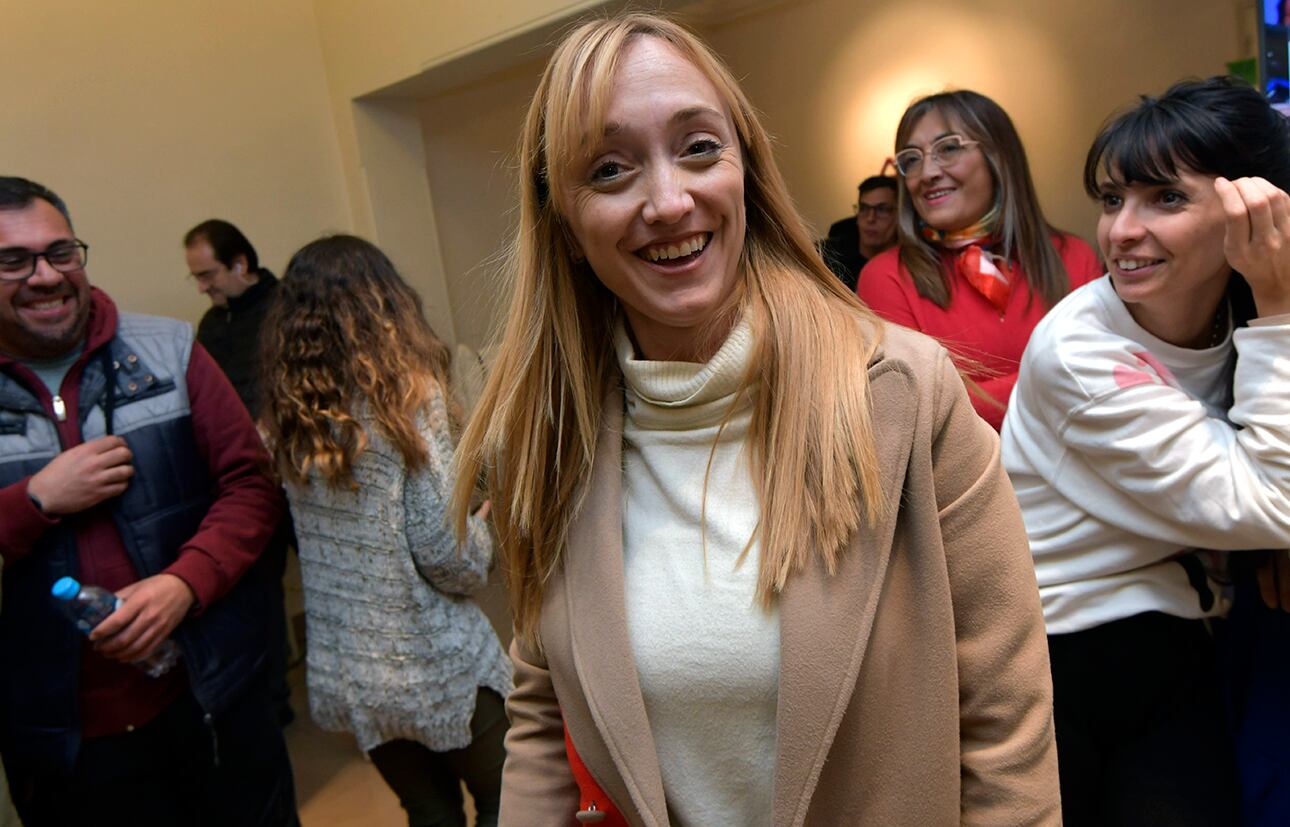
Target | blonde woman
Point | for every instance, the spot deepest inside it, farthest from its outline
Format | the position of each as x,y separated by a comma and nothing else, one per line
755,583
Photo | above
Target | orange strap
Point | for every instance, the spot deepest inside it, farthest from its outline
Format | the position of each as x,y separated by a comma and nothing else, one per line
589,792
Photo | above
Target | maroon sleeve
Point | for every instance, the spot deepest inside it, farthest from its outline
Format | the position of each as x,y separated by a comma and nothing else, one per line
23,522
247,504
885,288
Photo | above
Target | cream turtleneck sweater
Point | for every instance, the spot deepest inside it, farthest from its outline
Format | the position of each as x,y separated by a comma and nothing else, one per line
706,653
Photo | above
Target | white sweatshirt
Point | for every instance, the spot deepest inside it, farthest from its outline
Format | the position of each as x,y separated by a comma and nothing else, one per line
1122,458
707,655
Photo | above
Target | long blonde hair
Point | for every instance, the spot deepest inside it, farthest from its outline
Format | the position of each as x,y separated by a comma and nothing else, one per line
532,439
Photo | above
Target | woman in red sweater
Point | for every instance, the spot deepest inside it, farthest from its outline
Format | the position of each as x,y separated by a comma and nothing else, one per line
976,266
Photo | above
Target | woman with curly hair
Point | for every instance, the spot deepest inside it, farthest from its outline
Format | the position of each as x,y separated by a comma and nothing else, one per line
765,564
360,422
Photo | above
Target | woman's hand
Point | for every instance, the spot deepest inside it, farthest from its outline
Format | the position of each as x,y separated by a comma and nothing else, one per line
1257,242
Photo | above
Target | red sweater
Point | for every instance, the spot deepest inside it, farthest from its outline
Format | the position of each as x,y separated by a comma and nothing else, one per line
115,696
971,327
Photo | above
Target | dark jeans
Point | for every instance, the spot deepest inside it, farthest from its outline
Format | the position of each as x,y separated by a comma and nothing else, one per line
1257,648
275,665
176,769
428,783
1141,729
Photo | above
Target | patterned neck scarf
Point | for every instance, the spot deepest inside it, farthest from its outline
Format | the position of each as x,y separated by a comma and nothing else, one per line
989,274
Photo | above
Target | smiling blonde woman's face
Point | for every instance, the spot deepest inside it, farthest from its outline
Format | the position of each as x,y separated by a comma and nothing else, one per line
657,207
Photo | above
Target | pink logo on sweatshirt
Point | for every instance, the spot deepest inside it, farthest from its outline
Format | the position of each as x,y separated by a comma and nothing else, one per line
1158,373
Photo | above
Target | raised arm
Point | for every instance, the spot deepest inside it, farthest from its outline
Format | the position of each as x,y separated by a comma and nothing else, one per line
1154,461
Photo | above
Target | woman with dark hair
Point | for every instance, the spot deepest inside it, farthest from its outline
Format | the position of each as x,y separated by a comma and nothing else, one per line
764,564
1151,427
976,265
360,422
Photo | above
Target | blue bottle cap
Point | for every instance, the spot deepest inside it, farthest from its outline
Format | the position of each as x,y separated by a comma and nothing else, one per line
66,588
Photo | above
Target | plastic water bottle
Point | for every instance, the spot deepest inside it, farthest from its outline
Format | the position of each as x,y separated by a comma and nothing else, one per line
88,606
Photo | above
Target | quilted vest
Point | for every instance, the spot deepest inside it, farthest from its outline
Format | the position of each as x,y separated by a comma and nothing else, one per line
134,387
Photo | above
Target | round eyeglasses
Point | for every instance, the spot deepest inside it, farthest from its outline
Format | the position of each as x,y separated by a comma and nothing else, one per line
946,152
63,256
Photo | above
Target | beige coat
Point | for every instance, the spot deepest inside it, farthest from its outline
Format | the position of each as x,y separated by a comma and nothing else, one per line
914,686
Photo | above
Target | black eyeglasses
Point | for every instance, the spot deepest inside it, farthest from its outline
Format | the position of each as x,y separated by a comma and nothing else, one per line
876,210
63,256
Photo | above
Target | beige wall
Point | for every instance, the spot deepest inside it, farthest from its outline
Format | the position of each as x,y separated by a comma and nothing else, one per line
834,89
373,44
158,114
148,116
470,136
381,56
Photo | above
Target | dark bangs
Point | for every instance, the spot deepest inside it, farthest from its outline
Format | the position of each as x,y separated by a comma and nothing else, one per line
1152,143
1220,126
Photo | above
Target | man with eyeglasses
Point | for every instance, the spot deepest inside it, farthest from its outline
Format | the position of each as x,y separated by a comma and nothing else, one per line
126,461
852,241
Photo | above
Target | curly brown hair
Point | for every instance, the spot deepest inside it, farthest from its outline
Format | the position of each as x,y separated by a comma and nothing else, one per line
346,332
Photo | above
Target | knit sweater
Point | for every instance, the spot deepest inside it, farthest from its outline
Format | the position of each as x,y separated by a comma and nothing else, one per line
971,327
397,648
707,655
1126,459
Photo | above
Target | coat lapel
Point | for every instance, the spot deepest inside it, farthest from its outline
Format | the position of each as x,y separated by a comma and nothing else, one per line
825,622
598,637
